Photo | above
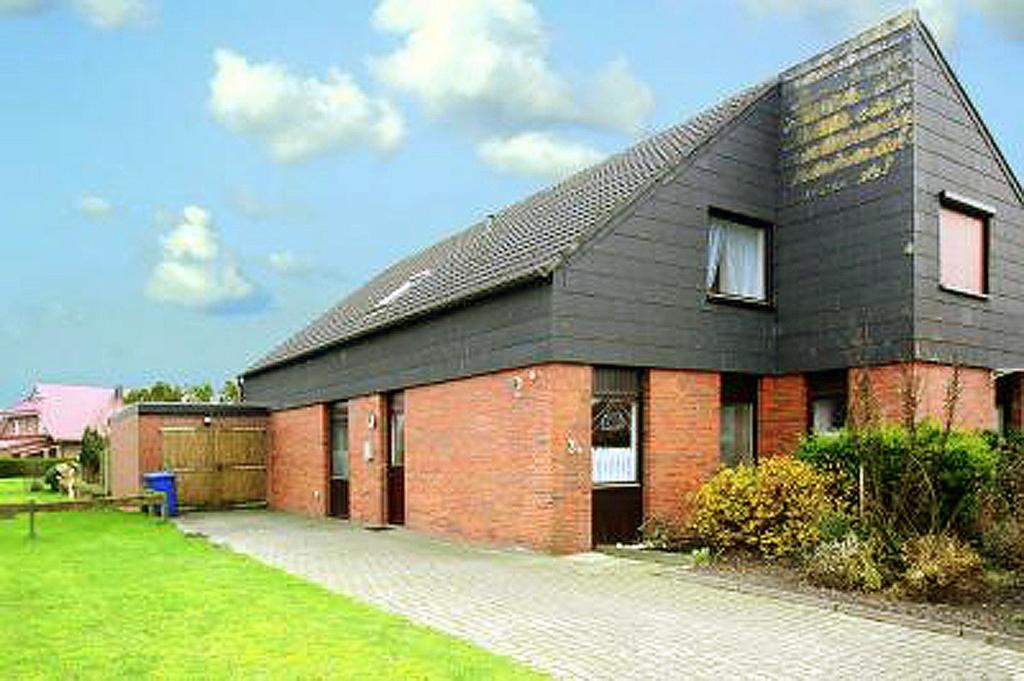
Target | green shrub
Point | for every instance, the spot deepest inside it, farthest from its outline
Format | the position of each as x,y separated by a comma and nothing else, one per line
918,481
94,448
662,534
848,564
1003,543
1003,512
701,557
773,508
26,468
835,525
52,478
941,567
89,490
36,485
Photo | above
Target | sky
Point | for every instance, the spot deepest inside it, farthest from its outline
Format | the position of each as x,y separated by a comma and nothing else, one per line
186,183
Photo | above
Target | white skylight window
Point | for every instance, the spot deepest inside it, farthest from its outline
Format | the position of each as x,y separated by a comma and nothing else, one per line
402,289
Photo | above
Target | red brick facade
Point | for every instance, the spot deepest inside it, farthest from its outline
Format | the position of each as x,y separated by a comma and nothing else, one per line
368,459
502,458
681,439
781,414
297,468
975,407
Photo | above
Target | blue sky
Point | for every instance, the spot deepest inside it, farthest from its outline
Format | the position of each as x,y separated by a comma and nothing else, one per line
186,183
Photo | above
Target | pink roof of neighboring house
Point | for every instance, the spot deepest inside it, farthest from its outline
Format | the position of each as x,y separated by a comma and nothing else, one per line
65,411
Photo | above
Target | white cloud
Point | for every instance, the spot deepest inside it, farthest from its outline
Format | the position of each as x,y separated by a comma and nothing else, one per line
193,271
286,263
296,118
114,14
490,58
536,153
95,207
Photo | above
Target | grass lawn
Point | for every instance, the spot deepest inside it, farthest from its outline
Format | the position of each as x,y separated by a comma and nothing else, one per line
107,594
15,491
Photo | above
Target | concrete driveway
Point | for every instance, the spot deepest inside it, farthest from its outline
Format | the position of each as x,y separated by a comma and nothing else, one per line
593,616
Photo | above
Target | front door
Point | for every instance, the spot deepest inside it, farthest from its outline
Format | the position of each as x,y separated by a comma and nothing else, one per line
339,504
396,459
617,498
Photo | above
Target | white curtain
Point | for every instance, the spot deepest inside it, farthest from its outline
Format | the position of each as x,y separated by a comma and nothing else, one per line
716,237
617,464
739,251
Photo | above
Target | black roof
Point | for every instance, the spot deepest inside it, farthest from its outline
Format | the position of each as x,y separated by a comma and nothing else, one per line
530,239
524,241
190,409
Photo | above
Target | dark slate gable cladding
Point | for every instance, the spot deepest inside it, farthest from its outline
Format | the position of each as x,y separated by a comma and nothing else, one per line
524,241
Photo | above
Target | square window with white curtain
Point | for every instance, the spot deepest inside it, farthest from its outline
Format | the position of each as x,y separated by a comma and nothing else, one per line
613,436
737,264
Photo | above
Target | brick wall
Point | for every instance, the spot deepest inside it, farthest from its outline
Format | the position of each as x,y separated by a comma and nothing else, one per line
298,465
781,414
681,439
124,456
368,458
502,458
136,445
889,383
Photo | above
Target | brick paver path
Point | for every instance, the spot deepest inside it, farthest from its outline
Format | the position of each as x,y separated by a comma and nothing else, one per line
594,616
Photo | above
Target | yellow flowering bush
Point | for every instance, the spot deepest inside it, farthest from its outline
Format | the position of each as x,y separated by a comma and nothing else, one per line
773,508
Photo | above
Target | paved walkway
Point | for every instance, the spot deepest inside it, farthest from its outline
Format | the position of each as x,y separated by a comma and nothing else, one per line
594,616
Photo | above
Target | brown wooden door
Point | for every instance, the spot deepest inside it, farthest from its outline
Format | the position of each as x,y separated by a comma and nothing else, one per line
339,490
616,514
396,495
396,460
216,466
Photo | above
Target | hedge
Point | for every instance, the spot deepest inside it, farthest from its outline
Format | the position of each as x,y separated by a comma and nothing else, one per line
27,468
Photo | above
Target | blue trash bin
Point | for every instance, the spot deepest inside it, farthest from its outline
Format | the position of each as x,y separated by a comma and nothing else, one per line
164,481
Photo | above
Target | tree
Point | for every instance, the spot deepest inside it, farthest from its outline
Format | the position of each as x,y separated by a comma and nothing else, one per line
160,391
201,392
231,392
94,448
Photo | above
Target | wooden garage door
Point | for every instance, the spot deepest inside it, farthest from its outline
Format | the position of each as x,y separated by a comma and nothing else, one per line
216,467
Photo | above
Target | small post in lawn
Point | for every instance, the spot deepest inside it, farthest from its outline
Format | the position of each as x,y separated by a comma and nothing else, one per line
31,519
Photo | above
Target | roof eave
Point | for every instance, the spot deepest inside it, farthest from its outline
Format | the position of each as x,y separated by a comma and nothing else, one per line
933,46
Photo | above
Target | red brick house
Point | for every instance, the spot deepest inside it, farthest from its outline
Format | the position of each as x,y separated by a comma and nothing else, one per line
583,359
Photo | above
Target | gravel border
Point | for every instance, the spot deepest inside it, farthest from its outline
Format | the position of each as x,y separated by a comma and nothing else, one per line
685,567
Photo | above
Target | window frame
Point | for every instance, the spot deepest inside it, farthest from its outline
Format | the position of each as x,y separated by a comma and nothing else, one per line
339,415
827,385
768,228
736,390
396,429
620,383
968,207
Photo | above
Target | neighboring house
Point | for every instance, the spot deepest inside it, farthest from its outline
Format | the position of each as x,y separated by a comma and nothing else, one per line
583,359
49,422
